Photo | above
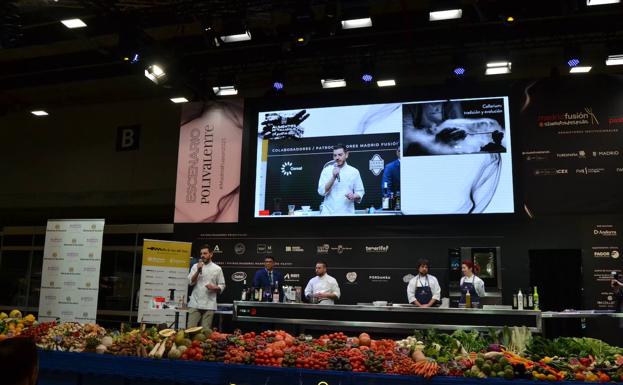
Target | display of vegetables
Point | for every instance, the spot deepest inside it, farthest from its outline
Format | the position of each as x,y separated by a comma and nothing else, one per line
508,353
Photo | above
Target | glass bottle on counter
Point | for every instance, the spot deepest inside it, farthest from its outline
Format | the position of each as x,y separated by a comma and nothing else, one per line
392,203
276,292
536,299
385,199
530,301
268,295
520,300
397,204
515,306
468,300
245,289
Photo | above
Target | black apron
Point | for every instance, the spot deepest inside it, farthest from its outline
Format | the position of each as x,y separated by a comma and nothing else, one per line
475,298
423,294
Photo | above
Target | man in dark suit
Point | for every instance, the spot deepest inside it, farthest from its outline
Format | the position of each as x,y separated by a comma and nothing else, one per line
268,277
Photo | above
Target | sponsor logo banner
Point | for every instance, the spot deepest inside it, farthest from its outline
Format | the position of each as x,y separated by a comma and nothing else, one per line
70,279
377,249
165,266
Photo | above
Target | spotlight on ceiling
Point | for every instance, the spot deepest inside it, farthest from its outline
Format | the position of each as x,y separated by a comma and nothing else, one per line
386,83
245,36
179,99
601,2
73,23
459,71
155,73
448,14
225,90
367,78
573,62
614,60
357,23
498,68
580,69
278,86
39,113
333,83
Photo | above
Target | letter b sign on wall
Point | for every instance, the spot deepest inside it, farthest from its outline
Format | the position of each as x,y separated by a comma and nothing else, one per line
128,137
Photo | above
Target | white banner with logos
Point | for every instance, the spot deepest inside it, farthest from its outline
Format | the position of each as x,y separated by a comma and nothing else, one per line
166,265
71,270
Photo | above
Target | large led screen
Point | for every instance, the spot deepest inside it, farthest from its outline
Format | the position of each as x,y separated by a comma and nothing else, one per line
413,158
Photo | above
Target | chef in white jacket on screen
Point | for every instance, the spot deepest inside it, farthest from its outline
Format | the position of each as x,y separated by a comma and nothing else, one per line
340,184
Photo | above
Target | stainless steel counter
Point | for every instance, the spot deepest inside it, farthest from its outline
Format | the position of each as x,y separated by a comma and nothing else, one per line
397,317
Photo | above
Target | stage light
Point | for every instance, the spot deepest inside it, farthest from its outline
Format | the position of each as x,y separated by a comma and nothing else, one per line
155,73
246,35
573,62
367,78
178,100
386,83
225,90
510,19
357,23
73,23
459,71
333,83
39,113
135,58
601,2
580,69
614,60
277,86
445,15
498,68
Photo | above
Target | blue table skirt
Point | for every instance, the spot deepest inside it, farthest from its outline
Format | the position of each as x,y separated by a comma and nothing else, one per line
61,368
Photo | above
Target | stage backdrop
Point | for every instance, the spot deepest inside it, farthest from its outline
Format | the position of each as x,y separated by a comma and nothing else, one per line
165,267
208,167
71,270
572,130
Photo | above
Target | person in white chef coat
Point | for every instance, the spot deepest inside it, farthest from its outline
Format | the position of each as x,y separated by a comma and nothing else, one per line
340,184
323,288
208,281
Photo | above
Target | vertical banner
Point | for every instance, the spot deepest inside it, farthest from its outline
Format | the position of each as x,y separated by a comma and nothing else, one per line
601,257
166,265
209,159
71,270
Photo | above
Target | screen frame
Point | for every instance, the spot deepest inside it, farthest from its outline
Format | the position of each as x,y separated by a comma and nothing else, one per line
345,97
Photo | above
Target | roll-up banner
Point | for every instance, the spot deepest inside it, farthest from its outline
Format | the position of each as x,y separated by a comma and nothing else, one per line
71,270
166,265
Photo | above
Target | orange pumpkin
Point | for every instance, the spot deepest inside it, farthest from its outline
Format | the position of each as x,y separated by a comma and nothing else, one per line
364,339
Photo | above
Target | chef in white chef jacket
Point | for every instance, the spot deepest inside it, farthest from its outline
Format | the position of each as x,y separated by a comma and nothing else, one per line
323,288
340,184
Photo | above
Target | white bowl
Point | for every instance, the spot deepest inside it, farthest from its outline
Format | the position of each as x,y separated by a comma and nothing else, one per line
379,303
306,208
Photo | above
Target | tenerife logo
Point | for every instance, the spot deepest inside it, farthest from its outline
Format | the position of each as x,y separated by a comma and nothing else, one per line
376,164
287,168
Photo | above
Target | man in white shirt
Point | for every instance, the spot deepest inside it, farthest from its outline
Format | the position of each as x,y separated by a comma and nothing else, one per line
207,280
423,290
340,184
323,288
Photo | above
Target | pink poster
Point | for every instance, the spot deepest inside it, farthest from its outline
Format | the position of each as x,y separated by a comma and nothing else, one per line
208,166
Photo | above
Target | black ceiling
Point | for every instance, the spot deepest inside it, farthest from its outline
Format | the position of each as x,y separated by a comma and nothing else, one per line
37,50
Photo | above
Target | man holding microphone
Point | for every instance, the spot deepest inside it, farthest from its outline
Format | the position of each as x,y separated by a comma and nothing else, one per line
207,280
340,185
